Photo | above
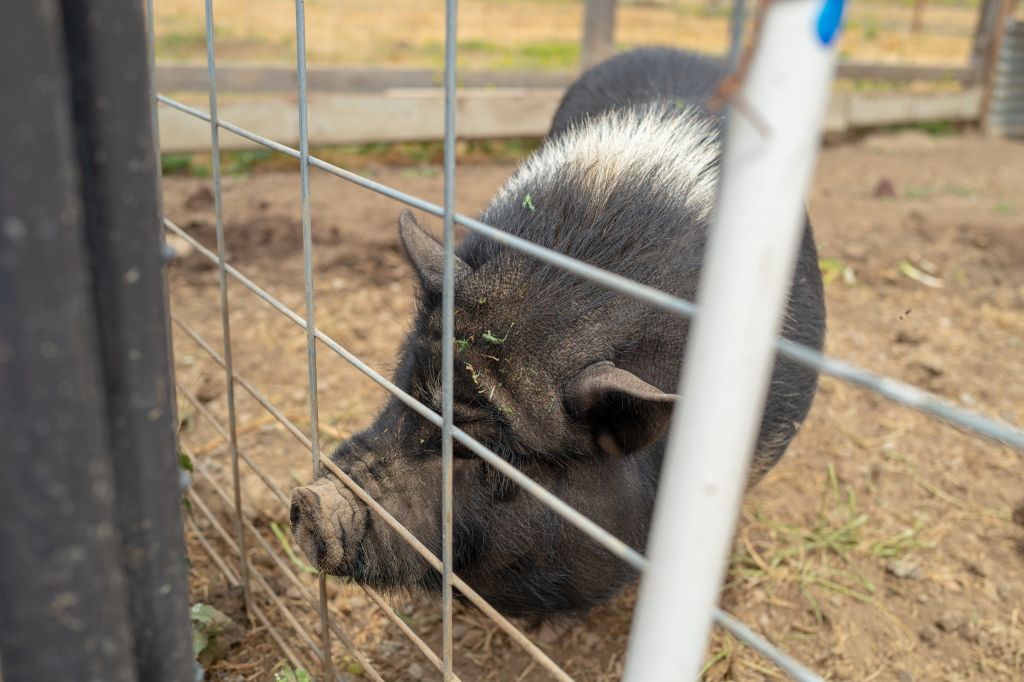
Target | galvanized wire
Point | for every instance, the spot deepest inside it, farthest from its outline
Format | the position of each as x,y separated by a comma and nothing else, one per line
204,412
584,524
896,391
317,605
229,575
402,531
448,338
408,631
225,316
307,269
296,432
261,582
468,592
596,533
587,526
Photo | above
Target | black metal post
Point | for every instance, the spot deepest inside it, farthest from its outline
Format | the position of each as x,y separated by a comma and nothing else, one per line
92,566
108,60
63,615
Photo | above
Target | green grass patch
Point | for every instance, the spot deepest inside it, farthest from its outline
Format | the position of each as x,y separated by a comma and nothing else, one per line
833,269
551,54
181,43
421,159
287,547
183,164
475,53
286,674
933,128
479,46
919,192
243,162
818,556
869,28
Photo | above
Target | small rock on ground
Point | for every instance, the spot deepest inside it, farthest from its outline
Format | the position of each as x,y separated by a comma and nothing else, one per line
904,569
950,621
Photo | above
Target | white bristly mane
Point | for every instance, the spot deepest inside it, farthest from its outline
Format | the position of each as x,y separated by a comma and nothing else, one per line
675,143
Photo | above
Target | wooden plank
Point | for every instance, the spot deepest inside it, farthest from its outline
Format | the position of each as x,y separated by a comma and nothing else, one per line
240,78
598,31
417,115
172,78
901,72
395,116
864,110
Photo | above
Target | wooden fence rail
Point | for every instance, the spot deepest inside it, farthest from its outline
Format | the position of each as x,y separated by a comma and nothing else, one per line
404,115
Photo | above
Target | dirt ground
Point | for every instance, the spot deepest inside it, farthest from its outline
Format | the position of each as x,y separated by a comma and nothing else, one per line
885,546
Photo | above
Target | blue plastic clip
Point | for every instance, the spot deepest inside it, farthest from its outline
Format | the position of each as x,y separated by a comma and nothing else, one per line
829,20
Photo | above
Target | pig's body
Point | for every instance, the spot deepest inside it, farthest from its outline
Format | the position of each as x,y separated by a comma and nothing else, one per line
568,381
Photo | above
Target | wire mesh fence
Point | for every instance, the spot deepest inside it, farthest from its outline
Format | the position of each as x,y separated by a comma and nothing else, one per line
240,570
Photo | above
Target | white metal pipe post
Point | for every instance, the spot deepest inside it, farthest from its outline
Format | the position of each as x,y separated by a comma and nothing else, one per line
749,262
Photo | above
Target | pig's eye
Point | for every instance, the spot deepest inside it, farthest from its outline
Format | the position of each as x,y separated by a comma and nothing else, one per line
470,414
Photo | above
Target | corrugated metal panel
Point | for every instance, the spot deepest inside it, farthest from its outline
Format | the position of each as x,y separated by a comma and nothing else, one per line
1006,110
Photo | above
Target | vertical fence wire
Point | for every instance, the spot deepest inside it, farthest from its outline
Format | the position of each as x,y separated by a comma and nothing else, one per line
613,545
272,596
284,568
448,337
450,218
403,532
307,269
737,23
891,389
257,613
222,279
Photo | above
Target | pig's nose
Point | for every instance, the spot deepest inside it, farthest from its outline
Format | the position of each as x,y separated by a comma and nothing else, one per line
316,518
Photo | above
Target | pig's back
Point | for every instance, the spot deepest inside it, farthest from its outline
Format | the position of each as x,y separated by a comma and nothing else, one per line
638,77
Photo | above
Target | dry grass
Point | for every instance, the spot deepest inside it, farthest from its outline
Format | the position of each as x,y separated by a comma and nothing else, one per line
499,34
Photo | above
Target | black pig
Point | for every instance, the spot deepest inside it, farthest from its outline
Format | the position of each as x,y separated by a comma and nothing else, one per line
571,383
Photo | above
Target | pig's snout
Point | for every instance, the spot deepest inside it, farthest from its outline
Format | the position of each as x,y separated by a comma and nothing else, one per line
319,515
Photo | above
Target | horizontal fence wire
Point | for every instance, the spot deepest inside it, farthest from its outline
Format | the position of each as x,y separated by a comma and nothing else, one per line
584,524
290,574
233,580
892,389
314,603
204,412
514,633
261,582
596,532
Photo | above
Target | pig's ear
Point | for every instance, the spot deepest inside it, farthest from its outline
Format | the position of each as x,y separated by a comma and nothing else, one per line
625,412
426,254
